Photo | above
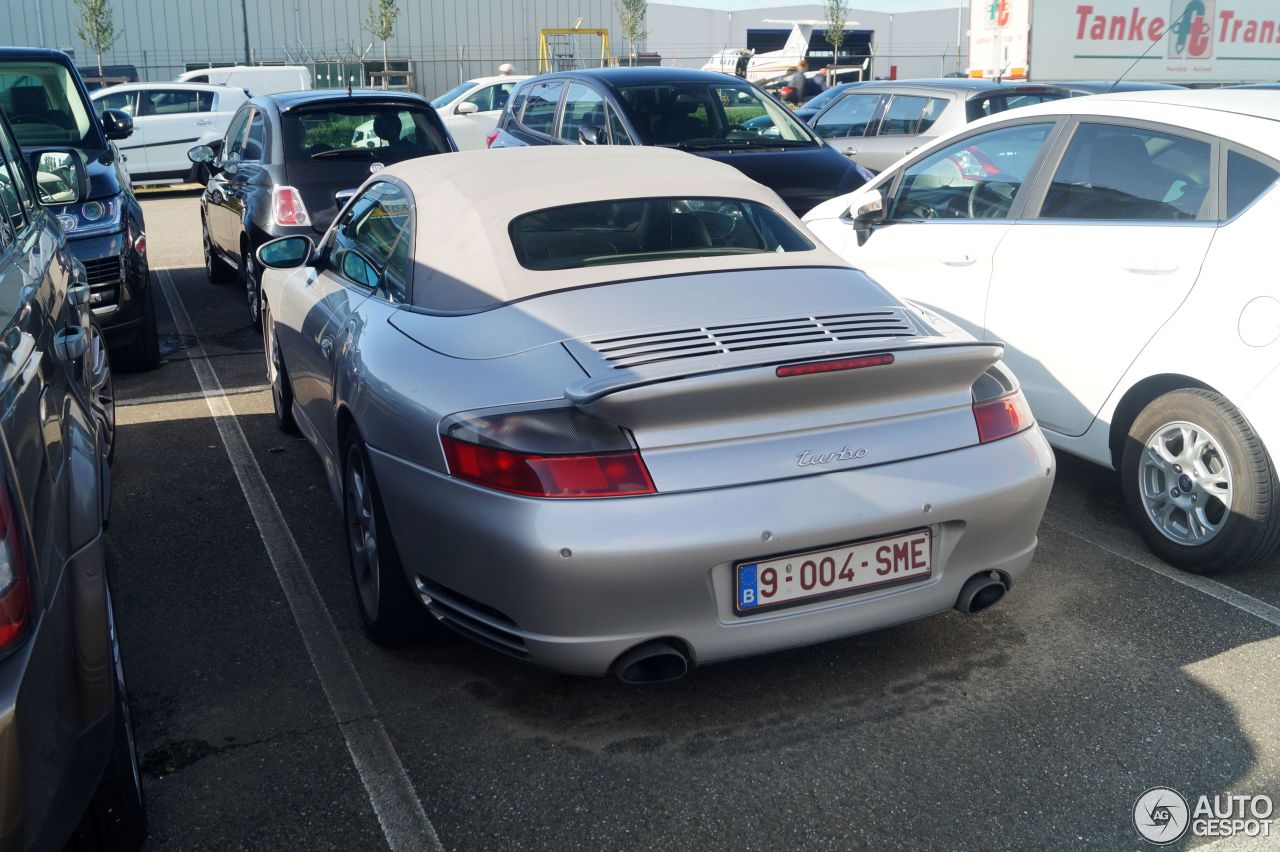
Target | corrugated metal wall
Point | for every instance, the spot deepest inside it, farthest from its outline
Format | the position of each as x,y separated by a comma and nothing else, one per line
161,37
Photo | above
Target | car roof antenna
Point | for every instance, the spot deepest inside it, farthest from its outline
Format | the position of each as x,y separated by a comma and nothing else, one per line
1157,40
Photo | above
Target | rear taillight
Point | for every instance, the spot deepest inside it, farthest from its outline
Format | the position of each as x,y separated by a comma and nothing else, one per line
1002,417
556,452
489,140
15,588
287,207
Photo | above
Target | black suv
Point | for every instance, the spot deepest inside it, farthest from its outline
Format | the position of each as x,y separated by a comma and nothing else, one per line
713,115
68,767
289,163
48,107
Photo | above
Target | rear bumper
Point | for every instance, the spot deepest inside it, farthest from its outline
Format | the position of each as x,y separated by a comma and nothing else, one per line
571,584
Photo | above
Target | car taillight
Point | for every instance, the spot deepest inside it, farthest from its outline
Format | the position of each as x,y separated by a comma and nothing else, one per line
15,589
490,139
554,452
287,207
836,365
1002,417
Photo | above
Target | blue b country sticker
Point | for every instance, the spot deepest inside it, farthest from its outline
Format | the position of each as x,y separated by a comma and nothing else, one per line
747,595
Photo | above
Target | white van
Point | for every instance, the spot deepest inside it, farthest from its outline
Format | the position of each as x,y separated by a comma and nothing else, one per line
255,79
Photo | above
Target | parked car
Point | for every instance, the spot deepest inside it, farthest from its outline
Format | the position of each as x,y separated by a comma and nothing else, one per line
1117,245
168,118
254,79
67,756
513,385
470,110
1106,87
707,113
880,122
48,106
807,110
289,162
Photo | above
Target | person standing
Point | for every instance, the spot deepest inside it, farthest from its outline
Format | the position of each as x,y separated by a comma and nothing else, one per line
798,83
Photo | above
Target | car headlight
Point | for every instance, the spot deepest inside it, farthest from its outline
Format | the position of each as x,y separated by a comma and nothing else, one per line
91,217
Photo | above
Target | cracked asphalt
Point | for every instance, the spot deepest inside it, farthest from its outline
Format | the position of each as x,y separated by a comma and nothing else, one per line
1035,725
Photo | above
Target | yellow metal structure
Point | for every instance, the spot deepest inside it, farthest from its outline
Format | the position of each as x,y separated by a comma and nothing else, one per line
548,61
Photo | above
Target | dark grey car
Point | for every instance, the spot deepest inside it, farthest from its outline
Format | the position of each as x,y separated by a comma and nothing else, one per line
68,767
879,123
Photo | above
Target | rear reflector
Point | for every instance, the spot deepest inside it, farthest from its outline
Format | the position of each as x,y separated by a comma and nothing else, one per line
613,474
1002,417
834,366
287,207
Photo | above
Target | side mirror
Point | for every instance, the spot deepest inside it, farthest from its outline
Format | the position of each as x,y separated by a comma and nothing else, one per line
286,252
117,124
590,134
61,176
467,108
202,154
867,211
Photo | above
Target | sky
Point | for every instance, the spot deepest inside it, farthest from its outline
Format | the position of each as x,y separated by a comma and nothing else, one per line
855,6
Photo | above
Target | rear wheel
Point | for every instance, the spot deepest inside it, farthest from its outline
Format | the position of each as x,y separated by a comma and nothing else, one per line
387,606
277,375
215,269
1199,484
252,286
117,815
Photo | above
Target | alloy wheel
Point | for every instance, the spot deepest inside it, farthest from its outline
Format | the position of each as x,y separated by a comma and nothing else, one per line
208,249
362,535
251,288
271,349
102,396
1185,483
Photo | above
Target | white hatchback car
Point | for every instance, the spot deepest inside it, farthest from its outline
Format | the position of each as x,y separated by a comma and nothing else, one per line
170,119
1119,246
470,110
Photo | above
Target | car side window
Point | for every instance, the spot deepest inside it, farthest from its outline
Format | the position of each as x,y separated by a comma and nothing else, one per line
1116,172
849,116
255,142
123,101
583,107
168,102
979,177
11,219
1247,179
618,134
933,110
204,101
903,116
491,97
24,192
540,109
233,146
372,243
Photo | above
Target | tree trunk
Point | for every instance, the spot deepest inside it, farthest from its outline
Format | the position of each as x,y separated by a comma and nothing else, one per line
100,73
385,66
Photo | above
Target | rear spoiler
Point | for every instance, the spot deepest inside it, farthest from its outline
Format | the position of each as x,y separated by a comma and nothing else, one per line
360,96
593,389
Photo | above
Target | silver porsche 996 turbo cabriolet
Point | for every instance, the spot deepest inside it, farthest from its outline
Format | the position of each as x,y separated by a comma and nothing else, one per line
614,410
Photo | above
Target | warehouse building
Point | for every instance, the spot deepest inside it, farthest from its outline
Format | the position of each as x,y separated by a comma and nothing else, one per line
440,42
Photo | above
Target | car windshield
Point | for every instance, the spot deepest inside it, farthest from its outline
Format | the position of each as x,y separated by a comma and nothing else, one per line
451,95
45,107
712,115
384,133
638,230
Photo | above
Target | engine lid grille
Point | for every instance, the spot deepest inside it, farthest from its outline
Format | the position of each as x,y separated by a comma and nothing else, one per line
638,350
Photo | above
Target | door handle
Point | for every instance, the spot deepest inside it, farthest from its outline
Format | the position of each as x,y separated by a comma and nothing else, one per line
71,343
850,152
204,122
1149,267
961,259
326,347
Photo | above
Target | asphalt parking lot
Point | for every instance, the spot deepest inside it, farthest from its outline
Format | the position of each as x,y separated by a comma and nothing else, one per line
1034,725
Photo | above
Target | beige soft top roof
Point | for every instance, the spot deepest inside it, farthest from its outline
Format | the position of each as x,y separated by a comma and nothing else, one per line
466,201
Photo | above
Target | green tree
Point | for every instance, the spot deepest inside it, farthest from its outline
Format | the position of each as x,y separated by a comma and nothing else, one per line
837,15
382,25
631,15
96,29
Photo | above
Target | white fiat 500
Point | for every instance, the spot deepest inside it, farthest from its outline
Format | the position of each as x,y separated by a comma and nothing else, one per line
1120,247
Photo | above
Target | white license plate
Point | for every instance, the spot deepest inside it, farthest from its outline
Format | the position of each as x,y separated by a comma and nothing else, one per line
833,572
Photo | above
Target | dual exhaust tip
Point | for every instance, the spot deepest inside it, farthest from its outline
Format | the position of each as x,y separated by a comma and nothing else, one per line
664,660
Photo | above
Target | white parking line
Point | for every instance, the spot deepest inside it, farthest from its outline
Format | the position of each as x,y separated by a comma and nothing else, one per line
399,810
1204,585
183,397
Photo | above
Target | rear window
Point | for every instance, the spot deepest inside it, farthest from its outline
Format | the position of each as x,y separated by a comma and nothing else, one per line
1247,179
984,105
387,134
648,229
